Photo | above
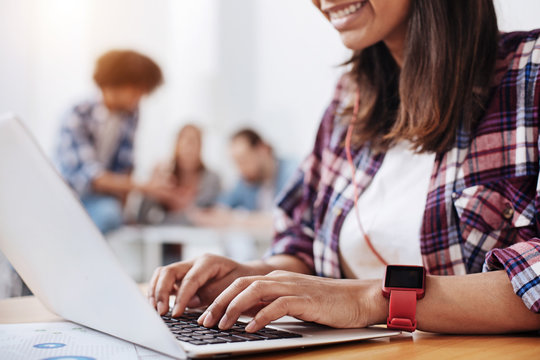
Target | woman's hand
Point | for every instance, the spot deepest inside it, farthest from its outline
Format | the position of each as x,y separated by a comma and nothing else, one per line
336,303
197,282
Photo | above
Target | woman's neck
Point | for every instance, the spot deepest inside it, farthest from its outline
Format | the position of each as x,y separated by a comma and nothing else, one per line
395,42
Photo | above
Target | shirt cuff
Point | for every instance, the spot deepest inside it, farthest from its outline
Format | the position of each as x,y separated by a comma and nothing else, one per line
290,245
521,262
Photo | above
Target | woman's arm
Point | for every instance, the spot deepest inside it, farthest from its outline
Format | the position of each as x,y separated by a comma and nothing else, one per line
477,303
480,303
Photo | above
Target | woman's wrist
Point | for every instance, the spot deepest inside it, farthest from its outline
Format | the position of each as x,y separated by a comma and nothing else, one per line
258,267
372,302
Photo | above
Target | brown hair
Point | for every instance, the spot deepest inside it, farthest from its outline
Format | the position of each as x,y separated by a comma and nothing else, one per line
177,172
127,67
444,83
251,136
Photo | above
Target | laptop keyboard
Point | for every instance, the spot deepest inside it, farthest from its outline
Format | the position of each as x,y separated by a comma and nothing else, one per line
185,328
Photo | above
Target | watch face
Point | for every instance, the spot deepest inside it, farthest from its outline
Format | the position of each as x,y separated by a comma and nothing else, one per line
409,277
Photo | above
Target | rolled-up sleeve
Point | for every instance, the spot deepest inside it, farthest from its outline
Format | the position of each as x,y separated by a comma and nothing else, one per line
293,222
294,219
75,155
521,262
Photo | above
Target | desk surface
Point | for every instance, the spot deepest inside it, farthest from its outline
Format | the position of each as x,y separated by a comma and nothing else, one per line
418,346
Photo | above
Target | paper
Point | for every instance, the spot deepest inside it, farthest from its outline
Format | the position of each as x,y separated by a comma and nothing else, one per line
66,341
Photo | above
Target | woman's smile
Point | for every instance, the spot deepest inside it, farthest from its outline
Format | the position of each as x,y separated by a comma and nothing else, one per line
342,16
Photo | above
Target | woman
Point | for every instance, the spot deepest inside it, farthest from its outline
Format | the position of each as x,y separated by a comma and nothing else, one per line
188,182
439,105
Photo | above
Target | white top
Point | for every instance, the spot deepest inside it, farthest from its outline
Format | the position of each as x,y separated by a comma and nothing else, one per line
109,131
391,211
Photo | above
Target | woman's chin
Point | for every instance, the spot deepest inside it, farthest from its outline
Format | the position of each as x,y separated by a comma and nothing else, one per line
354,41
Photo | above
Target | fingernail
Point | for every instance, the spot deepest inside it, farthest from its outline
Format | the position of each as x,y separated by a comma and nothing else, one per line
208,320
223,322
175,310
161,307
152,301
200,320
251,326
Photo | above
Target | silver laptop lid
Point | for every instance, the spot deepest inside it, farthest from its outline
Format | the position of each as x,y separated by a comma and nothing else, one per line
53,244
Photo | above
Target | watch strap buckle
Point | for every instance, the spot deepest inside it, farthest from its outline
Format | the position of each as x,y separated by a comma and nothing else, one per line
401,324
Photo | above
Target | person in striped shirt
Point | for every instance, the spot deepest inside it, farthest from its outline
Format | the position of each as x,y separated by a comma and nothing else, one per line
94,152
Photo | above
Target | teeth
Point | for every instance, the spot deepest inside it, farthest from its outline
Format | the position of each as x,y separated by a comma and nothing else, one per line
334,15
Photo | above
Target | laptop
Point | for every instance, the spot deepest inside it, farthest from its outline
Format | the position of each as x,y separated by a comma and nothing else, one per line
63,258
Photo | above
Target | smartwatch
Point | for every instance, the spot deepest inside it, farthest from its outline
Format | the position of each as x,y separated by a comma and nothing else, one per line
403,284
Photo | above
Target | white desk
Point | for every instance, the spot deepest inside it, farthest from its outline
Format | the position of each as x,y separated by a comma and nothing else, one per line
139,248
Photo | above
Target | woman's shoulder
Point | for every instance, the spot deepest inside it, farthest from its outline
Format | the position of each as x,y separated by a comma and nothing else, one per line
519,48
513,41
334,122
516,74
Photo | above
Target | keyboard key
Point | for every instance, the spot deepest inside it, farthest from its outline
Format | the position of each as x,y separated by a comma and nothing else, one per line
203,332
202,337
249,337
215,341
185,328
184,338
196,342
231,339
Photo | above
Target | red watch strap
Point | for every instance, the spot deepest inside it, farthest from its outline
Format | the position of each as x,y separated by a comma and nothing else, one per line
402,310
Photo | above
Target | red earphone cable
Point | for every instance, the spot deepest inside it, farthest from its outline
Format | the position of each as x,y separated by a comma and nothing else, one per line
355,185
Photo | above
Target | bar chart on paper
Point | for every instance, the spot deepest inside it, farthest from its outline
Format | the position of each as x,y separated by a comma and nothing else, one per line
65,341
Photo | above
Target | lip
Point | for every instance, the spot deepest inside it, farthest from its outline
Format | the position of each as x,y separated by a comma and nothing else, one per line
328,10
344,22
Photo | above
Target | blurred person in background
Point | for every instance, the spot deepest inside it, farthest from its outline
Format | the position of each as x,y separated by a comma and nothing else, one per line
94,153
186,182
262,176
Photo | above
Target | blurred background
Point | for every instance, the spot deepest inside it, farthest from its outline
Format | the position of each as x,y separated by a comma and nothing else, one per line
268,64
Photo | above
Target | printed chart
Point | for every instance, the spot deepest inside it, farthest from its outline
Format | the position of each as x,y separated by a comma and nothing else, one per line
65,341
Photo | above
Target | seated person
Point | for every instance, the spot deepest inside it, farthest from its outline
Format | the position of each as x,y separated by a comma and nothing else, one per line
186,182
95,148
263,176
432,139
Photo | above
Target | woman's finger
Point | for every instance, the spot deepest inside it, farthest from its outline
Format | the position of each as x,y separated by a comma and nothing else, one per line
214,312
152,287
165,284
287,305
201,272
247,293
258,293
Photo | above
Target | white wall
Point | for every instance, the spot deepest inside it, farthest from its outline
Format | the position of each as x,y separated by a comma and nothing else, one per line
518,14
271,64
230,63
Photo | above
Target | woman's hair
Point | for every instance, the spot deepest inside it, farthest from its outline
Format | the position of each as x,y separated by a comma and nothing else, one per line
444,83
127,67
176,171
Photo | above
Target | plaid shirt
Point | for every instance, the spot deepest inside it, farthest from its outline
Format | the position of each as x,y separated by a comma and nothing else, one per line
483,206
75,155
